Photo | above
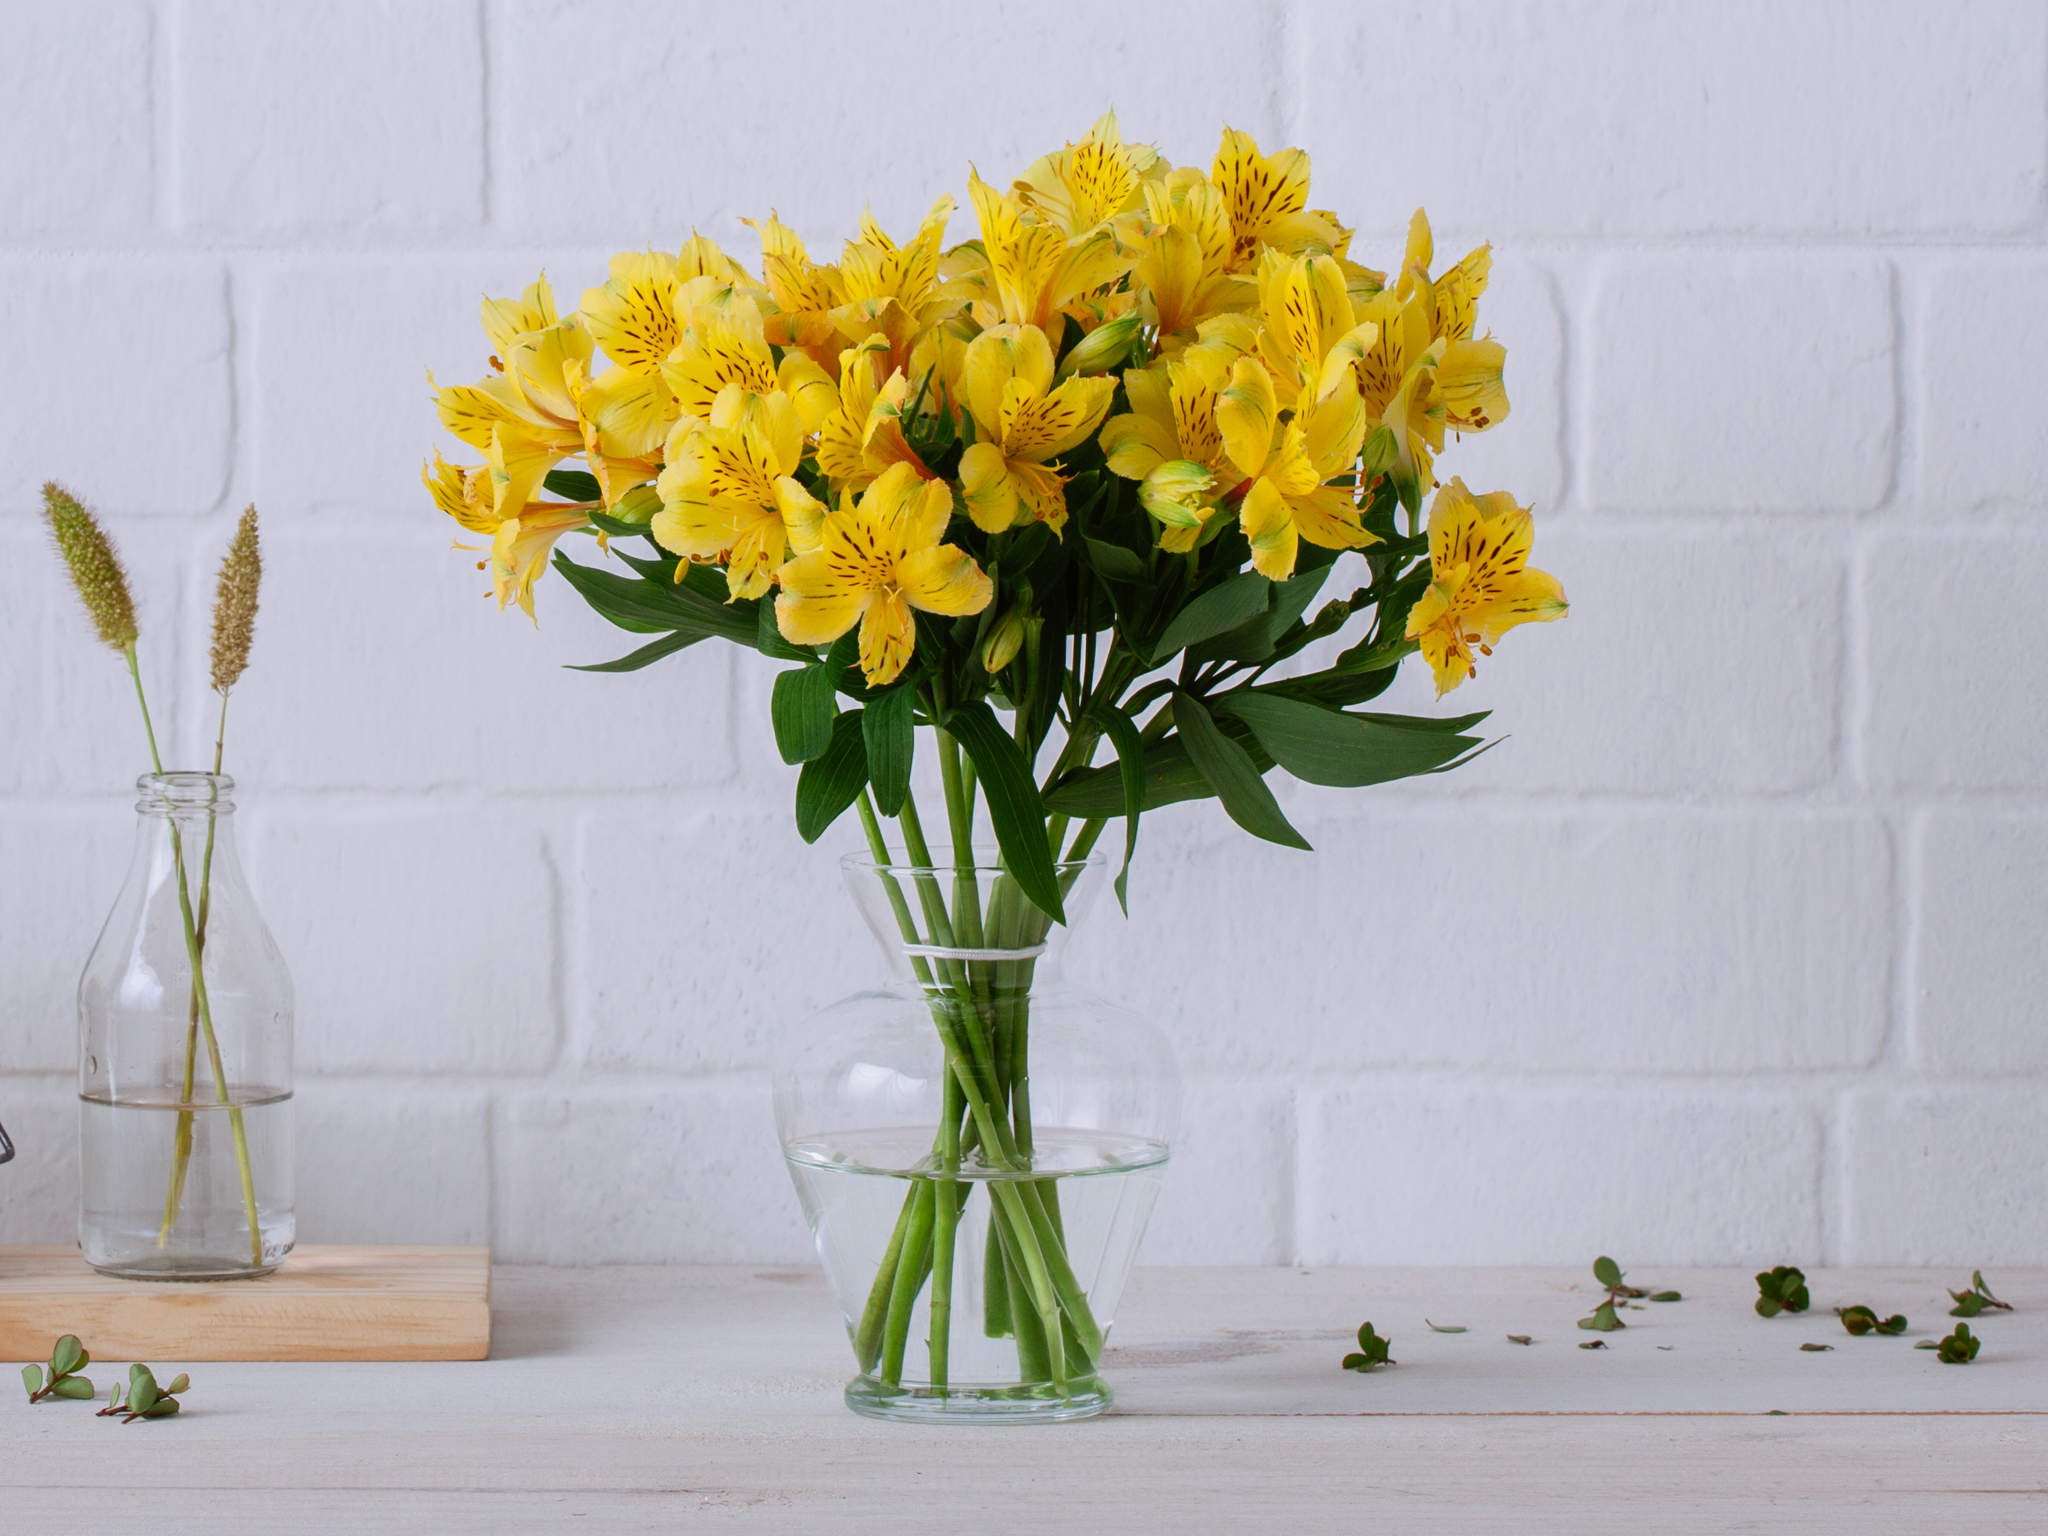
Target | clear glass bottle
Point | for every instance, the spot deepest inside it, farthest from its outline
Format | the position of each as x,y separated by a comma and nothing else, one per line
184,1068
977,1146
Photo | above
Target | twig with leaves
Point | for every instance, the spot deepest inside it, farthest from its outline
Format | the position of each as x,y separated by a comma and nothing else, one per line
1860,1320
1606,1317
1976,1299
1959,1348
1371,1352
61,1379
145,1399
1782,1289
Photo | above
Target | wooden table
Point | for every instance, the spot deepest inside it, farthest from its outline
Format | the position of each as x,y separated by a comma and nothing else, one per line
651,1399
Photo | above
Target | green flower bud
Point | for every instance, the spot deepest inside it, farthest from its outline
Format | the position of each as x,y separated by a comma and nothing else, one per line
1107,346
1176,493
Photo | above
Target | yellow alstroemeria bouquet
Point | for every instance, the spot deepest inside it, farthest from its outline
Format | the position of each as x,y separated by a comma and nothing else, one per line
1084,475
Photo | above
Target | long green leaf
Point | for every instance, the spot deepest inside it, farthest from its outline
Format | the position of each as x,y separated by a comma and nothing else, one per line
1014,804
768,636
1217,611
1130,760
573,485
647,655
890,731
648,604
1327,746
801,710
829,784
1232,774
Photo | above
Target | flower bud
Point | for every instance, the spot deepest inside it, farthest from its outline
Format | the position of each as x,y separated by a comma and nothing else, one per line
1176,493
1107,346
1004,641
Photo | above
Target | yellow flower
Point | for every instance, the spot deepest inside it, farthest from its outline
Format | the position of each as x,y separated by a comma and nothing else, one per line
1184,252
1172,424
863,435
520,543
1024,421
1312,334
805,293
1267,196
1481,587
1088,183
1034,270
877,559
727,344
1288,461
524,419
728,493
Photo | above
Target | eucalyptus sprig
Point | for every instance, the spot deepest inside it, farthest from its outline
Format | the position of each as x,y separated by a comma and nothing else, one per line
1782,1289
1862,1320
1371,1352
145,1400
61,1379
1976,1299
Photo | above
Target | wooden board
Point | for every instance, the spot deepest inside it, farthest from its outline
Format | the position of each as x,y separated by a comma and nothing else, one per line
324,1303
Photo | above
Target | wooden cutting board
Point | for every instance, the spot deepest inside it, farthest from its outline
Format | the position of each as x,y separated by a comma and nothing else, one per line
323,1303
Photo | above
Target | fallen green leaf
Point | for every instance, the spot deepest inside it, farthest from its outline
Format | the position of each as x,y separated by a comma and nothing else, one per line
1520,1338
1444,1327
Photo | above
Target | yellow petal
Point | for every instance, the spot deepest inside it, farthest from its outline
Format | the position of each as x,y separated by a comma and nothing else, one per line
888,634
1246,414
814,607
802,514
810,387
993,497
1469,380
1135,445
507,319
944,581
1268,523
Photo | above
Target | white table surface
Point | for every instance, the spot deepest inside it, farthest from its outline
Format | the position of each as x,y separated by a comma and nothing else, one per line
656,1399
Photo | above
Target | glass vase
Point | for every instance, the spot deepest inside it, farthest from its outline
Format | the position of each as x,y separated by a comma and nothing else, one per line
977,1147
185,1056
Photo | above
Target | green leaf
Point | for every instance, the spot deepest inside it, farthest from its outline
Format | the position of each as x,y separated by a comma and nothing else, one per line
1927,1344
32,1378
889,728
1130,762
650,605
768,637
1372,1351
802,710
1767,1306
832,781
1444,1327
162,1408
1593,1343
646,656
1665,1296
573,485
1454,726
1217,611
77,1388
178,1384
1520,1338
1605,1270
142,1389
1815,1349
1230,771
618,527
1603,1319
1014,804
1112,562
67,1355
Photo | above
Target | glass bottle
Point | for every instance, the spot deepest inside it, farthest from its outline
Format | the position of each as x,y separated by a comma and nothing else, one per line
185,1056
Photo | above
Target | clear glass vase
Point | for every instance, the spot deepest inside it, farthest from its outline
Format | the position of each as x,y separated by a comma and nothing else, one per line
185,1056
977,1147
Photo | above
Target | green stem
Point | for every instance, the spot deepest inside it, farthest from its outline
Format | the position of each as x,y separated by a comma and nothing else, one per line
181,1143
192,956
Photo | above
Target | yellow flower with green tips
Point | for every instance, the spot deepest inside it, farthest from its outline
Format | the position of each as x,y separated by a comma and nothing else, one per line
877,559
1481,585
1288,460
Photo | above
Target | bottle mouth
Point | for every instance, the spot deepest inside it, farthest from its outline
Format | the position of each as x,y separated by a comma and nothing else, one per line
182,790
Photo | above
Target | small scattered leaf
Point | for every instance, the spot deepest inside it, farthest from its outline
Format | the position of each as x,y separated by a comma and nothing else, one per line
1666,1296
1606,1271
1520,1338
32,1378
1959,1348
1372,1351
1927,1344
77,1388
142,1389
178,1384
1815,1349
69,1355
162,1408
1445,1327
1594,1344
1603,1319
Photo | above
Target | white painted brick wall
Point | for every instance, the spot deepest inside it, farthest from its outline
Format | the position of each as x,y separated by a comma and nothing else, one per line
1730,953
